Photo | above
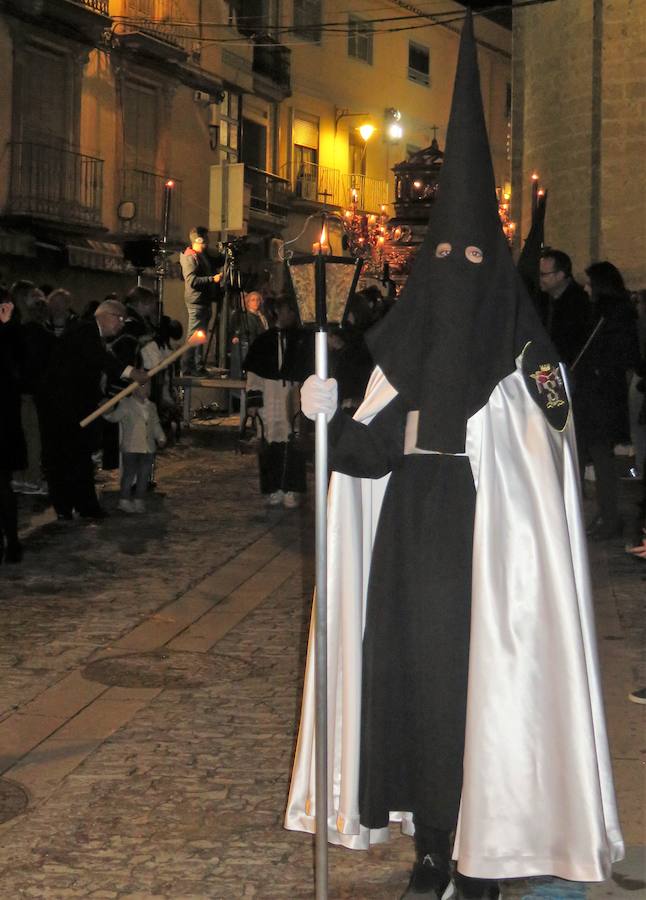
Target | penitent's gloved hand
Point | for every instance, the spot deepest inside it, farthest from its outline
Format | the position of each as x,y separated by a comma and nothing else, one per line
318,396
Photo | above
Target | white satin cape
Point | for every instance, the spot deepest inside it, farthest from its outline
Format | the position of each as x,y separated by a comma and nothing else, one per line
538,795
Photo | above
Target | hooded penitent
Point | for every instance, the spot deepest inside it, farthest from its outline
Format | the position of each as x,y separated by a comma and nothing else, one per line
528,264
462,667
463,316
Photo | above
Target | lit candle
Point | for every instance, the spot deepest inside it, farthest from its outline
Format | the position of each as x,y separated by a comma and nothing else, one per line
322,245
534,194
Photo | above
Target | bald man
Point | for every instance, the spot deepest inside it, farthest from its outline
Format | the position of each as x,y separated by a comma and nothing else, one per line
72,390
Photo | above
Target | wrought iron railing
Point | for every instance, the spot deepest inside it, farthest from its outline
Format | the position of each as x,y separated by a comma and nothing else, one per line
370,194
320,184
268,192
100,6
160,18
146,191
55,184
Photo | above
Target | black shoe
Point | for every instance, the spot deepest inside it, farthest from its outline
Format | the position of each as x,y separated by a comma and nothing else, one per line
202,372
430,877
13,552
476,888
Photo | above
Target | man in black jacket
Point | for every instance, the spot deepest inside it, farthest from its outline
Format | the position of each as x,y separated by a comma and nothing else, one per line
201,288
71,390
566,312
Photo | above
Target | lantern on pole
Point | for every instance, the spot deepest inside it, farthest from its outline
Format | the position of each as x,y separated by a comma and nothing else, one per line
323,285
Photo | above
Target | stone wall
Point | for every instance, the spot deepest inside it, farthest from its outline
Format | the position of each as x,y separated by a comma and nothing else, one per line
579,120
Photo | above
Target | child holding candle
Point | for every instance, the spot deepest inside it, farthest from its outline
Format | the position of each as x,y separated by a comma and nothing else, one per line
139,436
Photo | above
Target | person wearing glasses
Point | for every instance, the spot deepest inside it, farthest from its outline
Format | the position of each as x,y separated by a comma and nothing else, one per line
566,308
78,368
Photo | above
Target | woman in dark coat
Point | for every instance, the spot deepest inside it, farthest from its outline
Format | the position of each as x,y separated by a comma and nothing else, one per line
601,388
13,452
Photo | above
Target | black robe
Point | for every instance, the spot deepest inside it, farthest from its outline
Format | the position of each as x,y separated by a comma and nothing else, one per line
416,639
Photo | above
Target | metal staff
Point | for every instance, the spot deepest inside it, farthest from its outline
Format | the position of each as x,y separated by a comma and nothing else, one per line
321,472
197,337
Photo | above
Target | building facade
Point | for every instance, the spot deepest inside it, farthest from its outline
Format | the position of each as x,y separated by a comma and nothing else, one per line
104,101
579,121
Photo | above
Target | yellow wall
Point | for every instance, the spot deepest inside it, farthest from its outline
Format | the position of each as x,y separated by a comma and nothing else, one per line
324,77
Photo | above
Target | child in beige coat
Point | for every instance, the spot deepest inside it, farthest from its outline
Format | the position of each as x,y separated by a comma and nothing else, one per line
140,434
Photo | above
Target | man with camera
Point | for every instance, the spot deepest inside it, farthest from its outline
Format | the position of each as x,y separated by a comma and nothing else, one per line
201,289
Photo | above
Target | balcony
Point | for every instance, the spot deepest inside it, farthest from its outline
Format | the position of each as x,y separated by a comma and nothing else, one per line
146,191
269,205
85,19
271,68
55,185
320,185
151,27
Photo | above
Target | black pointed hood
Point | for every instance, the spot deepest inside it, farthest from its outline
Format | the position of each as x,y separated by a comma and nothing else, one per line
528,264
463,315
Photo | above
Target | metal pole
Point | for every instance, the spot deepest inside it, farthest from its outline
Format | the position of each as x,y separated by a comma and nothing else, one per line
163,246
321,477
223,324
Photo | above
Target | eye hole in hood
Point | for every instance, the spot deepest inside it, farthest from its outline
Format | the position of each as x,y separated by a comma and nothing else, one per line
474,254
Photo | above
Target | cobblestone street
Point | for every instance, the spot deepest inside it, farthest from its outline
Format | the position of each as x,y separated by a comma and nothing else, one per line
151,676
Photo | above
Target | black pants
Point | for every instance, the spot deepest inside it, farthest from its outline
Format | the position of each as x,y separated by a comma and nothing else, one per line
282,467
607,480
8,512
70,476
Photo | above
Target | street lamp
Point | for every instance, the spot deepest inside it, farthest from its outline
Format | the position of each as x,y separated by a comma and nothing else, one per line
323,285
394,130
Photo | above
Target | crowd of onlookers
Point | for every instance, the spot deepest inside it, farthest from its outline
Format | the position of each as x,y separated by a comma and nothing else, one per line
56,365
599,330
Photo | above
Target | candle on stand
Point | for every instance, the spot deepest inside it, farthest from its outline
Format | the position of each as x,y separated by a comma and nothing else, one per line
534,194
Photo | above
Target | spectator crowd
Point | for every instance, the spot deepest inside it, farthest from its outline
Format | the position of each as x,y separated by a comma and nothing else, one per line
58,364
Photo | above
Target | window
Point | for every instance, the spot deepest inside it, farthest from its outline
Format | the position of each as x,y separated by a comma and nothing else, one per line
419,63
356,154
140,126
227,120
254,144
307,19
359,39
305,181
45,91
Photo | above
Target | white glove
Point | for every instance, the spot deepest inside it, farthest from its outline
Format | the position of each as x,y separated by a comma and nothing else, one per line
318,396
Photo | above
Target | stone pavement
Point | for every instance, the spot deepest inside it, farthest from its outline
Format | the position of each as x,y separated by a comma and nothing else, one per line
151,678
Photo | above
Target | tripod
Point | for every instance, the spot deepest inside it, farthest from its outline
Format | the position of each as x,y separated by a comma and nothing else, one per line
232,299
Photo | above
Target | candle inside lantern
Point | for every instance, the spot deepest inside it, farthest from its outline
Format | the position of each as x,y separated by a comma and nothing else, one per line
322,245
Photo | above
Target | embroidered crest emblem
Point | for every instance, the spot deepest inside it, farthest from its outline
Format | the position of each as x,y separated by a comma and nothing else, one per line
549,382
545,384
